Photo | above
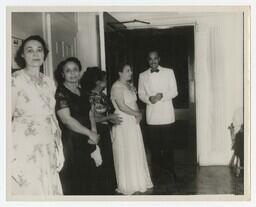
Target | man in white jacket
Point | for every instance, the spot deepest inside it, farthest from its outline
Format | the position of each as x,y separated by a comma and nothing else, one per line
157,88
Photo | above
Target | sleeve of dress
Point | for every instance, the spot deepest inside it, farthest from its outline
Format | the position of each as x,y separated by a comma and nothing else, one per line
61,100
53,86
15,89
116,91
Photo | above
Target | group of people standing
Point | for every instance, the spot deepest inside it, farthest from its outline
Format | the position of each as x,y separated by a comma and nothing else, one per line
75,140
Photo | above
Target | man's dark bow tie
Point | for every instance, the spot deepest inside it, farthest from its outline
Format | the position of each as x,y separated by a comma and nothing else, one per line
154,71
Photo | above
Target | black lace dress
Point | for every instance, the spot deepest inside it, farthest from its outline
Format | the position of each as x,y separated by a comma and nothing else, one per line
78,174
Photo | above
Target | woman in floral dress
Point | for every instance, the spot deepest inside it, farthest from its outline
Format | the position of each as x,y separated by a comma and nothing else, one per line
36,153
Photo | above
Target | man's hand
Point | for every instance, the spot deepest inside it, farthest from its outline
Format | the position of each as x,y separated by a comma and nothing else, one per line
159,96
153,99
156,98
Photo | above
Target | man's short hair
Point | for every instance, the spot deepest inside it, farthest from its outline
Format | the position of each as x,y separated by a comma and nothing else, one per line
153,51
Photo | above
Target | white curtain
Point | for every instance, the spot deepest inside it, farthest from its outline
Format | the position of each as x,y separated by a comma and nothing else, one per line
219,86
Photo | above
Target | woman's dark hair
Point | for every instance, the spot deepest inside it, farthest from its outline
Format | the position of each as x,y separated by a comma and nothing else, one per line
19,59
122,65
121,69
59,71
90,77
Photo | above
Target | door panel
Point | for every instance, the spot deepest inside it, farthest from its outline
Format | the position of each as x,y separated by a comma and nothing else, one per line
115,47
63,36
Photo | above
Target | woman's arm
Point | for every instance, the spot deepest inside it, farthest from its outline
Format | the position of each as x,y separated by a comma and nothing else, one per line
112,118
92,119
93,123
119,99
74,125
99,119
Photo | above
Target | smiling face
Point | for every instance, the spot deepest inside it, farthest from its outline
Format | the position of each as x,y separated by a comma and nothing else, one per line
153,60
71,72
33,53
126,74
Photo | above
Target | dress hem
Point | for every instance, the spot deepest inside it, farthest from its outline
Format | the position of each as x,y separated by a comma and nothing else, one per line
132,192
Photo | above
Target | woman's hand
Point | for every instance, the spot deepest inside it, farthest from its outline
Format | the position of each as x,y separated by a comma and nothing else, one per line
115,119
90,141
94,137
138,117
60,159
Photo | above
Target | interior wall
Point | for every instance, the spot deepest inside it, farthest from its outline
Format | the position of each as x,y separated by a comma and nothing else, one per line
63,27
59,30
88,49
218,76
25,24
65,31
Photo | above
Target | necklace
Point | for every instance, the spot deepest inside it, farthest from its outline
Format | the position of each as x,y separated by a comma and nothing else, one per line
124,83
129,86
73,89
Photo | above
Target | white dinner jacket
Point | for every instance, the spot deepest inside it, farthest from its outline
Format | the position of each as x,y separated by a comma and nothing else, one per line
150,84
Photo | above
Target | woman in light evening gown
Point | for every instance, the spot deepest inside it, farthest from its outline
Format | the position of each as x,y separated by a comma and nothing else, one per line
36,153
130,161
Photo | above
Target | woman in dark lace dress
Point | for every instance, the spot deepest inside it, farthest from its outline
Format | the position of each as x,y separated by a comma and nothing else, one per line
93,83
79,141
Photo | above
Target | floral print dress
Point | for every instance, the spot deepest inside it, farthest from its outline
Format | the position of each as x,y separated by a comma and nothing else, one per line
36,151
101,103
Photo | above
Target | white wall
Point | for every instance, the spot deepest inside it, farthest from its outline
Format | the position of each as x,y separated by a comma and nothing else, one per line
25,24
218,74
57,28
88,50
63,28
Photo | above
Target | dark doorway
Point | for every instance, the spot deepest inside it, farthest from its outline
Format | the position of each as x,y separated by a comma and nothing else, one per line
176,48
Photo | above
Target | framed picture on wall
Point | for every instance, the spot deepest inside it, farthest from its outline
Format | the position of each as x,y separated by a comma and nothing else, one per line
16,43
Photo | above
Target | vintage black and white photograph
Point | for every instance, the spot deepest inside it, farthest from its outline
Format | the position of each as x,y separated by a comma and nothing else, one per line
128,103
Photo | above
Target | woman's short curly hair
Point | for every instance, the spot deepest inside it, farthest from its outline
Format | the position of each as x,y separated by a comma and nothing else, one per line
59,71
19,59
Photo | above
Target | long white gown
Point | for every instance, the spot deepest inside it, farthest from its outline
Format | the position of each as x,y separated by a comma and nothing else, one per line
128,148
